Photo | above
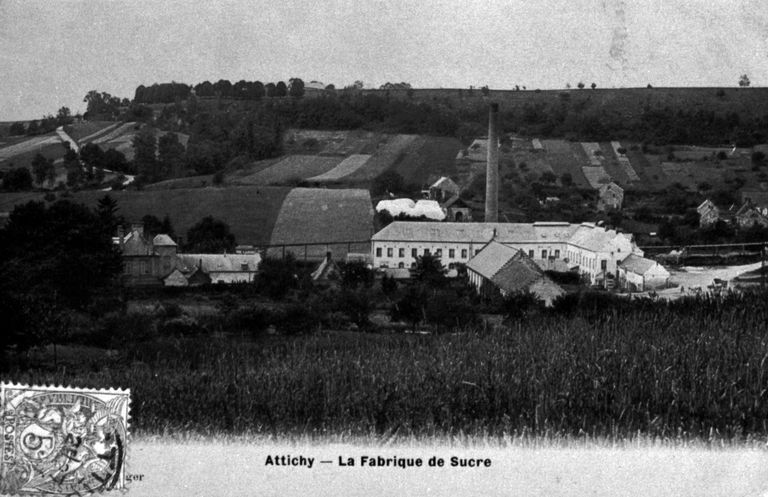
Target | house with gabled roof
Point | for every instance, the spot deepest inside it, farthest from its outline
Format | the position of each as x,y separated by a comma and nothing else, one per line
638,274
749,215
501,269
443,189
610,196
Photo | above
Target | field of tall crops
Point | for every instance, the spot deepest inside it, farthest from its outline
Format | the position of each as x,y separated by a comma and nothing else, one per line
691,369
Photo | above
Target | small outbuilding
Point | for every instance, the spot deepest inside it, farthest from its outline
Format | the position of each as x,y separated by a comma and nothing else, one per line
499,268
639,274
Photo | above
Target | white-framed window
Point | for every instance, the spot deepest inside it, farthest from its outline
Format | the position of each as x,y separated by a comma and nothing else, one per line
389,252
463,253
451,253
401,253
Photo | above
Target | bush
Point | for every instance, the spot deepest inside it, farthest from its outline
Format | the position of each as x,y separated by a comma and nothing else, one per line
183,325
251,319
295,319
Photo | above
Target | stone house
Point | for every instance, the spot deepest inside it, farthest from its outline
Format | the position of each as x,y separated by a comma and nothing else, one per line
610,196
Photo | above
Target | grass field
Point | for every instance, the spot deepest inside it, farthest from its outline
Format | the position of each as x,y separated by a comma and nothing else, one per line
292,167
562,159
680,371
429,158
596,176
85,131
250,212
319,215
343,169
388,151
52,149
29,146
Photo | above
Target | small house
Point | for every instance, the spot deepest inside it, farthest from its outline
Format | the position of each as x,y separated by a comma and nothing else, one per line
501,269
639,274
443,189
457,210
610,196
709,213
749,215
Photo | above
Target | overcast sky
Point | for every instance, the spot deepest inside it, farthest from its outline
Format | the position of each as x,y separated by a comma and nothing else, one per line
53,52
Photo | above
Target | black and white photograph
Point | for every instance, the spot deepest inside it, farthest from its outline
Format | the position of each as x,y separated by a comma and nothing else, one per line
448,248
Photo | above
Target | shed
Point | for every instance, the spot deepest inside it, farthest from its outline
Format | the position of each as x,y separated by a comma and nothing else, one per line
640,274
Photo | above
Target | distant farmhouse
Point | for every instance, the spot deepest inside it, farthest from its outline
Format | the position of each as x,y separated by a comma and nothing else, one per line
155,261
747,215
502,269
709,213
610,196
591,250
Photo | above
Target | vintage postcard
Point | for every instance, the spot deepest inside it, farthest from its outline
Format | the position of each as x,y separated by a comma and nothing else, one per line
367,247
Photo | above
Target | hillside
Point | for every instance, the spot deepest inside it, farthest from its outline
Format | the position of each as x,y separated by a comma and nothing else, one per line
259,216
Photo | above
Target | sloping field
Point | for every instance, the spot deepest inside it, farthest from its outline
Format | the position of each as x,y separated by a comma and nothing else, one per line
389,150
115,133
596,176
249,211
624,161
594,153
428,158
561,157
650,171
344,168
187,182
328,217
611,165
292,167
31,145
84,131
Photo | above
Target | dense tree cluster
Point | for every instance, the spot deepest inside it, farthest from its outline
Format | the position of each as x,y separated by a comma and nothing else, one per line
53,261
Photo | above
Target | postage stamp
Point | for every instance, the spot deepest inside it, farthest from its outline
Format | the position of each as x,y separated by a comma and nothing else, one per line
62,440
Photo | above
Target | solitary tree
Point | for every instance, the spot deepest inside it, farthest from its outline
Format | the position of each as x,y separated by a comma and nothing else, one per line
744,80
580,85
429,270
593,85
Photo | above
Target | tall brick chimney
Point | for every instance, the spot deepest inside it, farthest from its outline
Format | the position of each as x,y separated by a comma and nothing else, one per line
492,168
